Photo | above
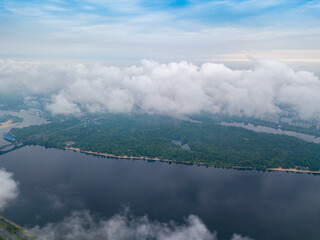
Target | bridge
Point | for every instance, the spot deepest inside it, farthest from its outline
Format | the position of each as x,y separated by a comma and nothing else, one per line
10,144
7,145
19,144
10,150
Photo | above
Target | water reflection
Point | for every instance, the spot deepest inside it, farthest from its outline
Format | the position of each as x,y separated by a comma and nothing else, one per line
262,205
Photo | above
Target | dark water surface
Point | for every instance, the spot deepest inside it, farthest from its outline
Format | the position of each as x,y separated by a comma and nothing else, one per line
262,205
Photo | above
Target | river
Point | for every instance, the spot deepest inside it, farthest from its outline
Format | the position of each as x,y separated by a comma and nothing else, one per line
264,129
262,205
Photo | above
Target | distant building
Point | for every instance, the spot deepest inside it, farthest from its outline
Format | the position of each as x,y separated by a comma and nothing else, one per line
285,113
286,120
273,119
9,138
69,143
301,124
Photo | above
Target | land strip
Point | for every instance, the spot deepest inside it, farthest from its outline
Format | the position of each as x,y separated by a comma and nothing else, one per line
153,137
12,231
186,162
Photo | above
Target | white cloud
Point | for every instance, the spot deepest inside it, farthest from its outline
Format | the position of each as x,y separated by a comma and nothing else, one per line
8,188
176,88
62,105
239,237
82,225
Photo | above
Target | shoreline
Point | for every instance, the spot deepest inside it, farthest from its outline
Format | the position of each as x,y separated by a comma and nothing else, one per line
6,124
14,231
293,170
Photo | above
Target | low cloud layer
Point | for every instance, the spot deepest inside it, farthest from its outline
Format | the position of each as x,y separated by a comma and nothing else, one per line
84,226
8,188
169,89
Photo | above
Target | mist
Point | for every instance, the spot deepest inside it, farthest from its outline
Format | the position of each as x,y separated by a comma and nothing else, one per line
8,188
82,225
174,89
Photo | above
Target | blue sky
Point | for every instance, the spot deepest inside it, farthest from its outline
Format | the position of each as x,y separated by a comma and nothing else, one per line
194,30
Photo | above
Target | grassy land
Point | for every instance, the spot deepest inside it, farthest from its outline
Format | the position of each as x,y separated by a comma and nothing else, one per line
151,136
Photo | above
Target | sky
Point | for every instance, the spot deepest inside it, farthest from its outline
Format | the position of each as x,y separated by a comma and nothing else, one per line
182,57
161,30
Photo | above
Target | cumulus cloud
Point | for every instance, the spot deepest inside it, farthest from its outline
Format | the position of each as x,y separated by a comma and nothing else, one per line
82,225
8,188
180,88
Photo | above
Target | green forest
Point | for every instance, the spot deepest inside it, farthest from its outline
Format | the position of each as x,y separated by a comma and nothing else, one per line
153,136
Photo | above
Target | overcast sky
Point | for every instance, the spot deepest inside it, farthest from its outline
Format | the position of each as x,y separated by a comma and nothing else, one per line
162,30
86,55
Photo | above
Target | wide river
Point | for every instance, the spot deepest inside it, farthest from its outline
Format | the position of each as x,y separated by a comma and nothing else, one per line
261,205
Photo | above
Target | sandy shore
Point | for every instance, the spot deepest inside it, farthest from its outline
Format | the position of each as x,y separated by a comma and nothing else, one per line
126,157
7,124
185,162
293,170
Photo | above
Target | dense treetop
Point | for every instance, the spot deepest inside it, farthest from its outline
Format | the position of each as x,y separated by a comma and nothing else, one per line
153,136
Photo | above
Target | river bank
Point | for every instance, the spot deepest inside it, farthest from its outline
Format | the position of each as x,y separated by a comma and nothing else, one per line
7,124
12,231
189,162
293,170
